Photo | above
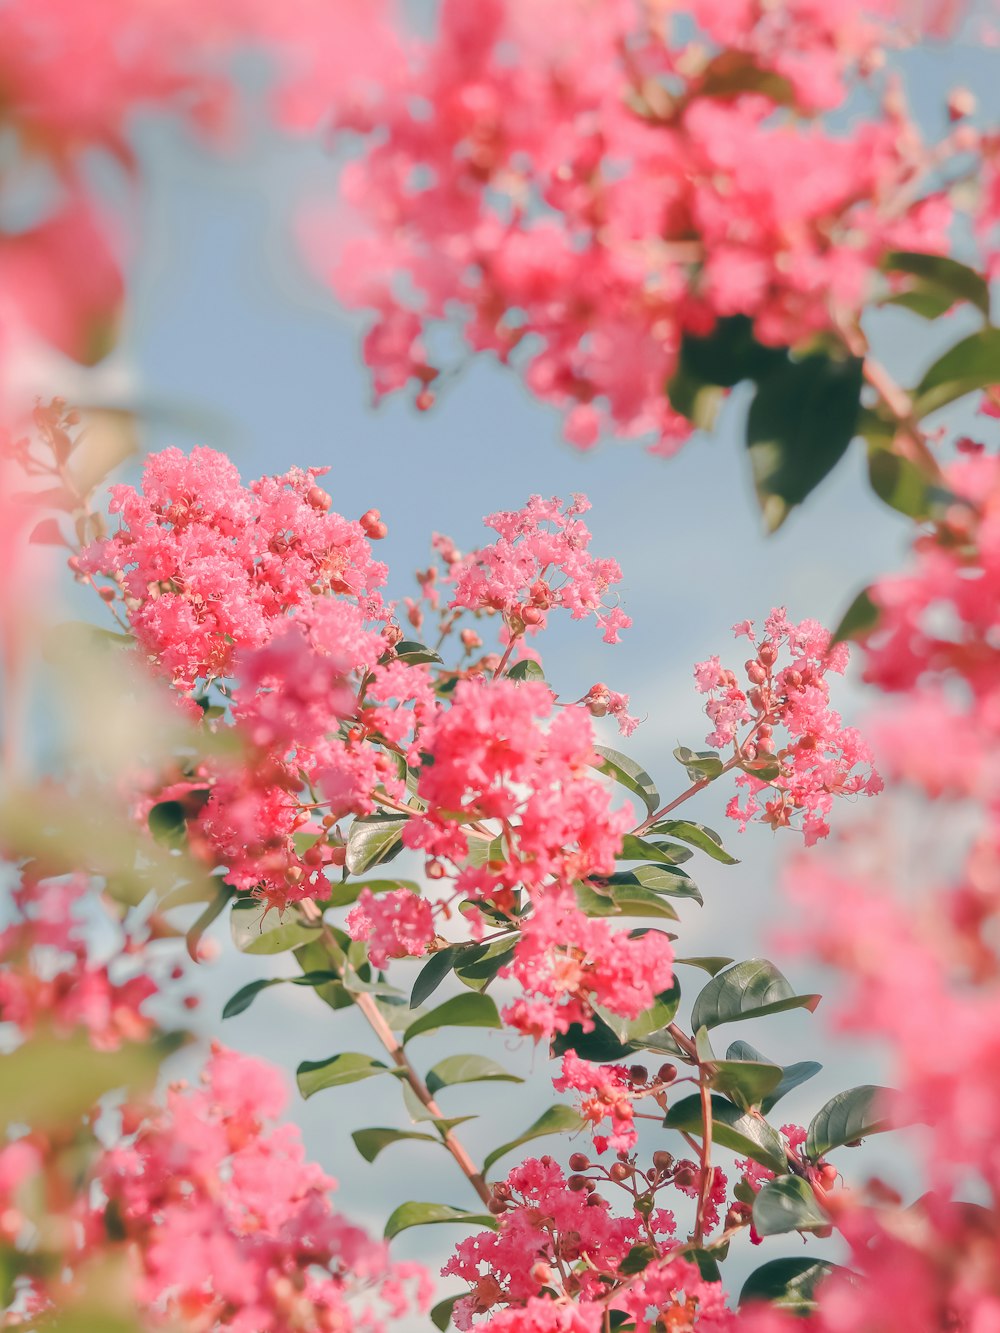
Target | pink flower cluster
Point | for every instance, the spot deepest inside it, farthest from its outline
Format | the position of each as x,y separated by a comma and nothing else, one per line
592,188
49,982
230,1225
818,758
554,1261
539,561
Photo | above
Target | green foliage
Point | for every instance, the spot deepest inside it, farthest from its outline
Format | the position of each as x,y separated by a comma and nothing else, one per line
790,1283
373,840
314,1076
467,1069
556,1120
415,653
936,283
630,775
700,765
858,621
748,990
428,1214
710,964
698,835
973,363
790,1075
849,1116
370,1142
472,1010
657,878
748,1135
623,900
526,670
441,1313
787,1204
259,929
802,418
245,996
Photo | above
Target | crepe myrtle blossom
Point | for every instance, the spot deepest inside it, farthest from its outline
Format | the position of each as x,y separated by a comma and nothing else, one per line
786,739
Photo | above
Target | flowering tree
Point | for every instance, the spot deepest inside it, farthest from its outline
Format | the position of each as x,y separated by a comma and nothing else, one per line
643,210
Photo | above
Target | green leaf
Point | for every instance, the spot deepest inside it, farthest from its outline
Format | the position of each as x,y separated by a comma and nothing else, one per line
748,990
729,354
633,1031
701,765
212,912
313,1076
765,767
467,1069
427,1214
790,1284
927,302
903,486
414,653
858,620
655,877
373,840
698,835
850,1115
168,824
786,1204
556,1120
259,929
441,1313
485,963
942,277
245,996
791,1075
320,954
638,1258
746,1082
433,973
627,773
640,849
471,1010
526,670
623,900
599,1045
745,1134
973,363
711,965
370,1142
802,418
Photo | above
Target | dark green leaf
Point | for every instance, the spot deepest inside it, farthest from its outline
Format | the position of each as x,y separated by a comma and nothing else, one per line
470,1010
313,1076
802,418
638,1258
441,1313
729,354
259,929
786,1204
629,774
662,1011
370,1142
972,364
904,487
373,840
320,954
941,276
623,900
710,965
526,670
599,1045
765,767
701,765
790,1284
657,878
745,1134
168,824
708,1263
344,894
640,849
414,653
212,912
747,990
426,1214
858,620
485,963
850,1115
467,1069
245,996
927,302
556,1120
698,835
433,973
791,1075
